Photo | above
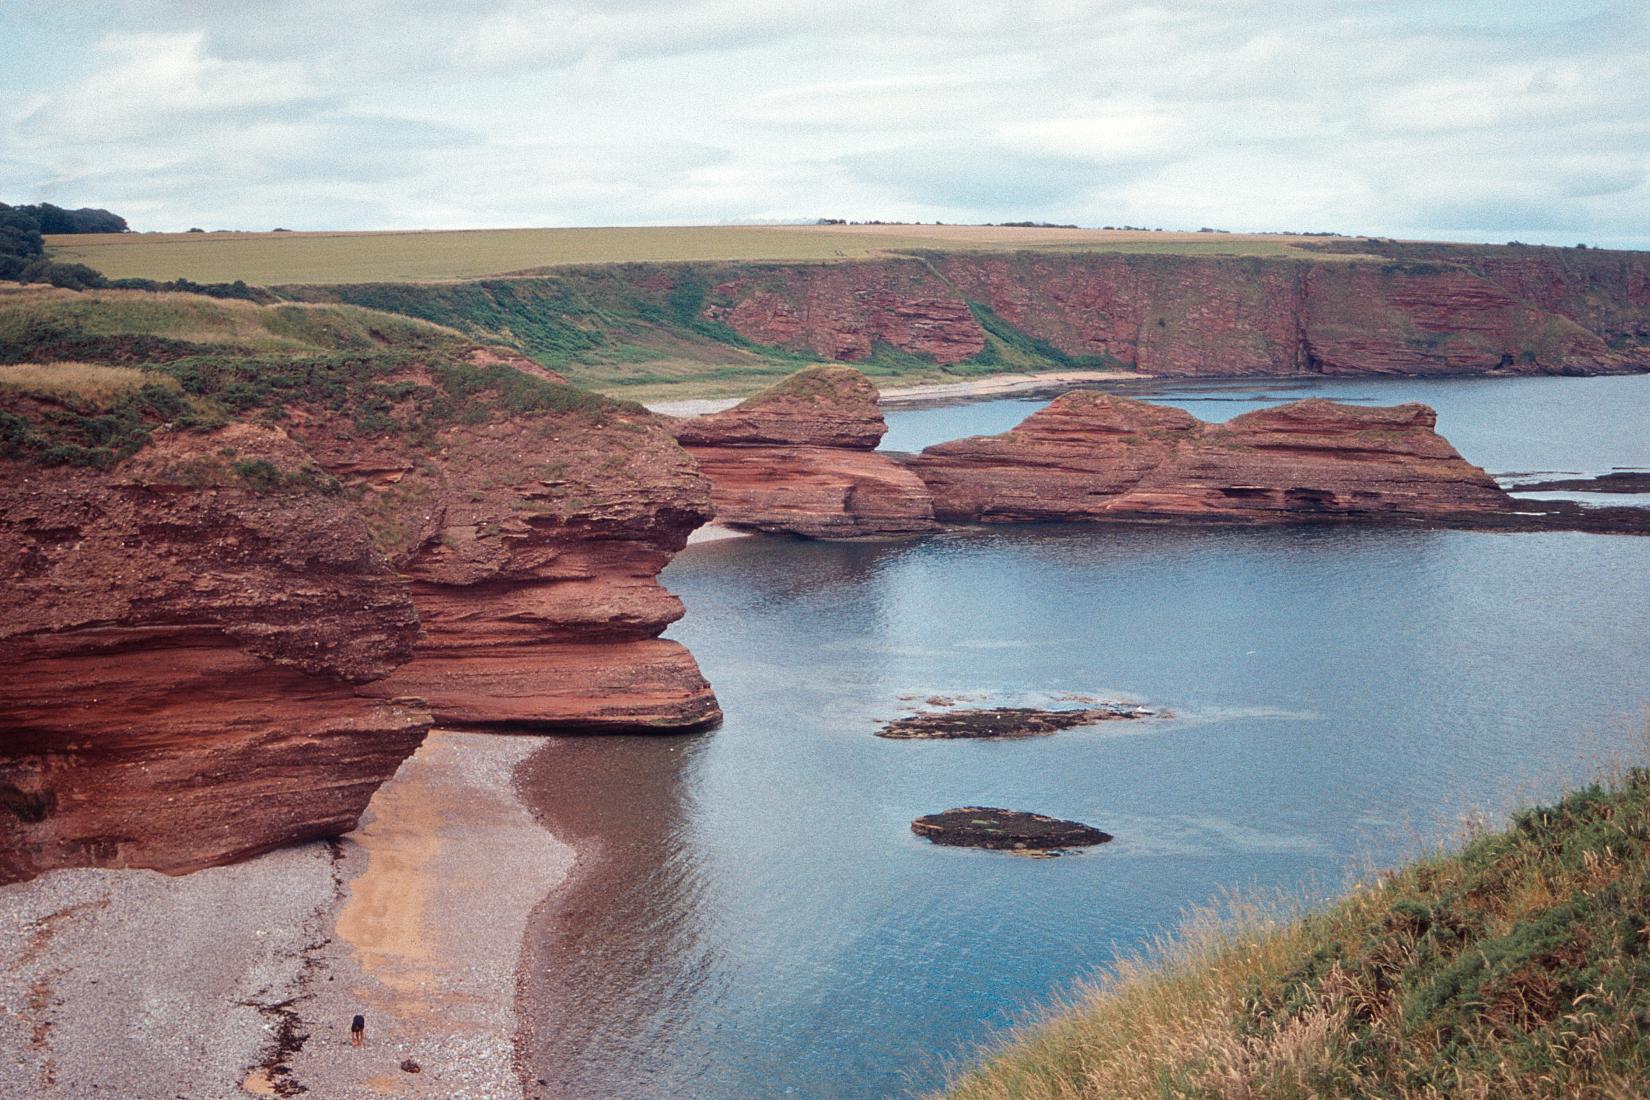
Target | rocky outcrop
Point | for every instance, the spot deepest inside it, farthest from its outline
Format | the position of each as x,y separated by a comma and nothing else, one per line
1005,723
209,635
533,544
183,645
1091,457
1006,830
540,600
800,458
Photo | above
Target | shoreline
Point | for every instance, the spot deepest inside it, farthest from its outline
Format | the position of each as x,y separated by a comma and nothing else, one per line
242,980
1001,385
974,389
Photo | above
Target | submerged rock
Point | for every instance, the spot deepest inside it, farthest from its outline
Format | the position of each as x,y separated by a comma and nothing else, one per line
1005,722
1006,830
1621,481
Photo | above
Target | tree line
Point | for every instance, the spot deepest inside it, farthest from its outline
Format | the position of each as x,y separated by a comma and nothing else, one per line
23,248
23,254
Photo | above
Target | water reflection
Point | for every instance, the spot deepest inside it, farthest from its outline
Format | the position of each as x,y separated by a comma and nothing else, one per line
633,974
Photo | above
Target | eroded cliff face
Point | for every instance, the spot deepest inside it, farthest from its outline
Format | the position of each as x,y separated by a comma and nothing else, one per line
1095,457
182,653
800,458
1451,312
533,547
208,634
843,311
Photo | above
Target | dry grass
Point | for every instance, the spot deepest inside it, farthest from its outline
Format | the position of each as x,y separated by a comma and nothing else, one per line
1518,967
272,259
83,384
34,316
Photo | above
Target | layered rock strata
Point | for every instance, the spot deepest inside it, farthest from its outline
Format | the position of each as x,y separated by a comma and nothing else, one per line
1091,457
800,458
182,654
533,545
201,627
1427,310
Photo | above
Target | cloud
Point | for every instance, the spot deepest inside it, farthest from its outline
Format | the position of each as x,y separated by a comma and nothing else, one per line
976,178
152,83
1478,117
561,34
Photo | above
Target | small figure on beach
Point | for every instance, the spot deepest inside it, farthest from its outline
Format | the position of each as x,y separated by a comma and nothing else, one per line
358,1030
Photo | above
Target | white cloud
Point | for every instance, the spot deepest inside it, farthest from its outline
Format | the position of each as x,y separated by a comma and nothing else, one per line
149,83
1494,119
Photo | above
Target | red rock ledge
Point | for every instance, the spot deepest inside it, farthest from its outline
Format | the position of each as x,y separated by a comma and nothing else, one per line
1092,456
533,546
181,657
800,458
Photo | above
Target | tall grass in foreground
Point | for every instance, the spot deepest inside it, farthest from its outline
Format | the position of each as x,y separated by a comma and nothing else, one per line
1518,966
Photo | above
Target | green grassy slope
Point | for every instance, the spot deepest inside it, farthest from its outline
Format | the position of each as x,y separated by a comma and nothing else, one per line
86,378
637,331
1516,967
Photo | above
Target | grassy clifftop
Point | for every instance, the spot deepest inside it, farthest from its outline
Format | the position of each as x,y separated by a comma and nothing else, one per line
1516,967
87,377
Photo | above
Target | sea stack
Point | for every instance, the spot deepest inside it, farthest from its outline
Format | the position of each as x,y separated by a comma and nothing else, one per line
1091,457
800,458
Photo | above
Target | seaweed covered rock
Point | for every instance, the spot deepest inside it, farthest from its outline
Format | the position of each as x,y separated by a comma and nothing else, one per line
1006,830
1002,723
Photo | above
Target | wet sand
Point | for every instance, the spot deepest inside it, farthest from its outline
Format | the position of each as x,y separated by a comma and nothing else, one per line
242,980
1003,385
976,389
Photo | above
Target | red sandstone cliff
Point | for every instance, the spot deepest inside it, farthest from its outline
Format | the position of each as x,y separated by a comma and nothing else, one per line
1458,311
800,458
1092,457
842,311
182,654
205,635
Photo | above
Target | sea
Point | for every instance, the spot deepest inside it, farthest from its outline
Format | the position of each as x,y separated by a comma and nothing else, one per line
752,915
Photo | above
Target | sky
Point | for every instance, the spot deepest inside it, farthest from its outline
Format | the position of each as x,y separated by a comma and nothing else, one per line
1450,119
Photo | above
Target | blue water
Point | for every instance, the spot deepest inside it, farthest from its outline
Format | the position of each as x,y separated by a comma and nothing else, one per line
755,918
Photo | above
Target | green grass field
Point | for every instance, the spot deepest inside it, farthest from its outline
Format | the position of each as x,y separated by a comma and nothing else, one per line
273,259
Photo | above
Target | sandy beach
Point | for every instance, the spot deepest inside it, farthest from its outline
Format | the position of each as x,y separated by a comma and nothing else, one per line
976,389
242,980
1002,385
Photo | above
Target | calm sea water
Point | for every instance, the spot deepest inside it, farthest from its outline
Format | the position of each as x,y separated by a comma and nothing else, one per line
755,918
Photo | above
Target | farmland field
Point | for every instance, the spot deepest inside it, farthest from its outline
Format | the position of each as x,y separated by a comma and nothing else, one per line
272,259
